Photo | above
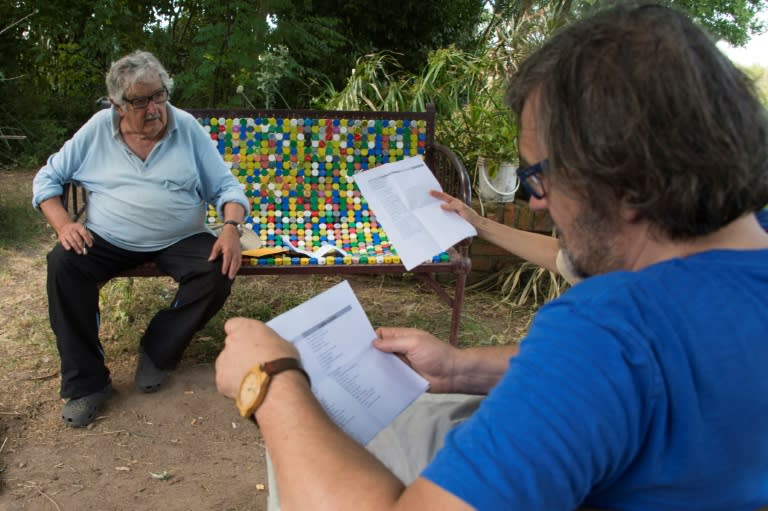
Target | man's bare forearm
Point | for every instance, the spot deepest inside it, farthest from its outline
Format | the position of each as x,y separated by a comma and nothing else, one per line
54,212
539,249
479,369
314,460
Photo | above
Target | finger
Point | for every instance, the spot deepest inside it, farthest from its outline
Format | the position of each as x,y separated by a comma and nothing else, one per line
226,262
87,237
234,267
440,195
395,331
393,344
448,206
215,251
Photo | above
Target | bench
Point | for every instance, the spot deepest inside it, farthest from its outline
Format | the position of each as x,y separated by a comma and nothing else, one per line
294,166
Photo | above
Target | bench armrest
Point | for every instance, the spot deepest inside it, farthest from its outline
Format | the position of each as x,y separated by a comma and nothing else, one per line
453,177
451,173
74,200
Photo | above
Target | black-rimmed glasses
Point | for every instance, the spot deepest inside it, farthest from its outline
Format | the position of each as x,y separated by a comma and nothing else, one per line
530,178
158,97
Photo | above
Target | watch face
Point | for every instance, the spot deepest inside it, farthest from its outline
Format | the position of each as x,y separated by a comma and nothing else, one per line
252,391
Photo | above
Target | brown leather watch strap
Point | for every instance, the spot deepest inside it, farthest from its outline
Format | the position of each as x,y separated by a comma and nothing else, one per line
284,364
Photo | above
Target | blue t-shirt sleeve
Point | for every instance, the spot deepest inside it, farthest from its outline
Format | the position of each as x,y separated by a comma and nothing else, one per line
567,417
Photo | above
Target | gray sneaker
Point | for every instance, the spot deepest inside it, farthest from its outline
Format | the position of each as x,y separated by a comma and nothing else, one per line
148,376
81,411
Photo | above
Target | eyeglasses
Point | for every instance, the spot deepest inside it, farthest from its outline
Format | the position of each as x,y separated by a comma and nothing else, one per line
530,178
158,97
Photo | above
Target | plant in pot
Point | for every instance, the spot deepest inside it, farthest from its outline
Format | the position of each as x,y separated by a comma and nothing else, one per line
492,146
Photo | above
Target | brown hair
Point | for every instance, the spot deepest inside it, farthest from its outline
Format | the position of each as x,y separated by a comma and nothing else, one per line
637,102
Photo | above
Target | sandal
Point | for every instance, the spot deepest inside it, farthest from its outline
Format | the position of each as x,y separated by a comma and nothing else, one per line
81,411
148,376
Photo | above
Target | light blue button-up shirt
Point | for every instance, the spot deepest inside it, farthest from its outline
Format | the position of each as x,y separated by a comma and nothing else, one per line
142,205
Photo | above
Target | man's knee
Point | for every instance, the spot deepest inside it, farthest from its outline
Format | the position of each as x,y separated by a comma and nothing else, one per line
222,284
61,260
211,281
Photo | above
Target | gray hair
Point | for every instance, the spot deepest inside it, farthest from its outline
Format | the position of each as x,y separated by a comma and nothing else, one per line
637,103
137,67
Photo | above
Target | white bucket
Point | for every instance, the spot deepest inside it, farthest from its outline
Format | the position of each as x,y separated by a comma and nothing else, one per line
502,186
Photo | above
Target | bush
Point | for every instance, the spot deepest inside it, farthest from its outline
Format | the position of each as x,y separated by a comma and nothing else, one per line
42,138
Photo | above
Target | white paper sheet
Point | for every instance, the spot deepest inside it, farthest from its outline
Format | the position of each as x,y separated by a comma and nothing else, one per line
361,388
323,251
417,226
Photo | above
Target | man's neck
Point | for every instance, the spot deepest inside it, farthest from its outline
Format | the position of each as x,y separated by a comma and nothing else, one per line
644,248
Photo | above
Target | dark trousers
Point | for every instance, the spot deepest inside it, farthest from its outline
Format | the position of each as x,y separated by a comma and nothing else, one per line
73,304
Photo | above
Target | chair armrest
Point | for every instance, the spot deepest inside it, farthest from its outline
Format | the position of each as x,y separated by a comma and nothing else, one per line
74,199
451,173
453,177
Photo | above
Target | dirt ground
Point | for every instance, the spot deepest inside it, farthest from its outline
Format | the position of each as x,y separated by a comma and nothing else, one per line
182,448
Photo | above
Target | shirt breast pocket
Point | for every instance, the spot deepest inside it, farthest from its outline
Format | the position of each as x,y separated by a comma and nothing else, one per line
185,191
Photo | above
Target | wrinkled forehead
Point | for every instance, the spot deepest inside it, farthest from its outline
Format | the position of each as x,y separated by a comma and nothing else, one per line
144,87
143,78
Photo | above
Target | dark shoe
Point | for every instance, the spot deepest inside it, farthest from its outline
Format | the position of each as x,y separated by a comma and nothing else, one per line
81,411
148,377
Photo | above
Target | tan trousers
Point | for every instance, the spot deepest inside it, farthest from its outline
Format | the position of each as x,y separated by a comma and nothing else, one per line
408,444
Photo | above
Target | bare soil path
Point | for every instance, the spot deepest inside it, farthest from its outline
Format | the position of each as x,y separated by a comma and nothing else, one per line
182,448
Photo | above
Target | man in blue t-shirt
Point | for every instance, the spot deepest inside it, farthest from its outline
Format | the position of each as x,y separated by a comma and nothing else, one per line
643,387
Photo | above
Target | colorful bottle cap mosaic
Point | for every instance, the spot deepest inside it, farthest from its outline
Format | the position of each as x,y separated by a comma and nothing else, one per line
298,175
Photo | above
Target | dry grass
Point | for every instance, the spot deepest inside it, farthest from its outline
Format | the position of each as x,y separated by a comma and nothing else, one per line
27,344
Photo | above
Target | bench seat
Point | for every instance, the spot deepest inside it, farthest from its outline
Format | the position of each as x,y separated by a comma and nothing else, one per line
297,169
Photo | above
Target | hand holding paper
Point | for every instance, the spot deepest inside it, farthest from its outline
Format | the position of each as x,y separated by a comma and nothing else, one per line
361,388
417,226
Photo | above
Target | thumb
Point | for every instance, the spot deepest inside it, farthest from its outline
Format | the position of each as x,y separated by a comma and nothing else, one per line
234,324
392,344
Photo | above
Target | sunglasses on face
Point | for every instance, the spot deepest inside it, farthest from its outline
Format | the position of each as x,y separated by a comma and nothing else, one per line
530,178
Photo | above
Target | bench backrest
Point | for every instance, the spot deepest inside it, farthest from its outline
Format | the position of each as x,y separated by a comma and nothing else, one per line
297,168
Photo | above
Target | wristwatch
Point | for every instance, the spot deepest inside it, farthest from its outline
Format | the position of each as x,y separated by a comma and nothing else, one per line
237,225
253,387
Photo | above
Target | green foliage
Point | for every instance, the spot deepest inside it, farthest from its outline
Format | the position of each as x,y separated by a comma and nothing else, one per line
42,137
732,20
467,87
285,53
759,75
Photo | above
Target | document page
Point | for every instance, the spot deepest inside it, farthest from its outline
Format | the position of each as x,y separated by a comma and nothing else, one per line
417,226
323,251
361,388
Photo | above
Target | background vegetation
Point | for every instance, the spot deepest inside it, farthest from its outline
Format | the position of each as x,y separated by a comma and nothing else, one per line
288,53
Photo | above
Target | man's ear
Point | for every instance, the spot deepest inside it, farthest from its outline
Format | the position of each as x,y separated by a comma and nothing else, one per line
117,107
627,212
